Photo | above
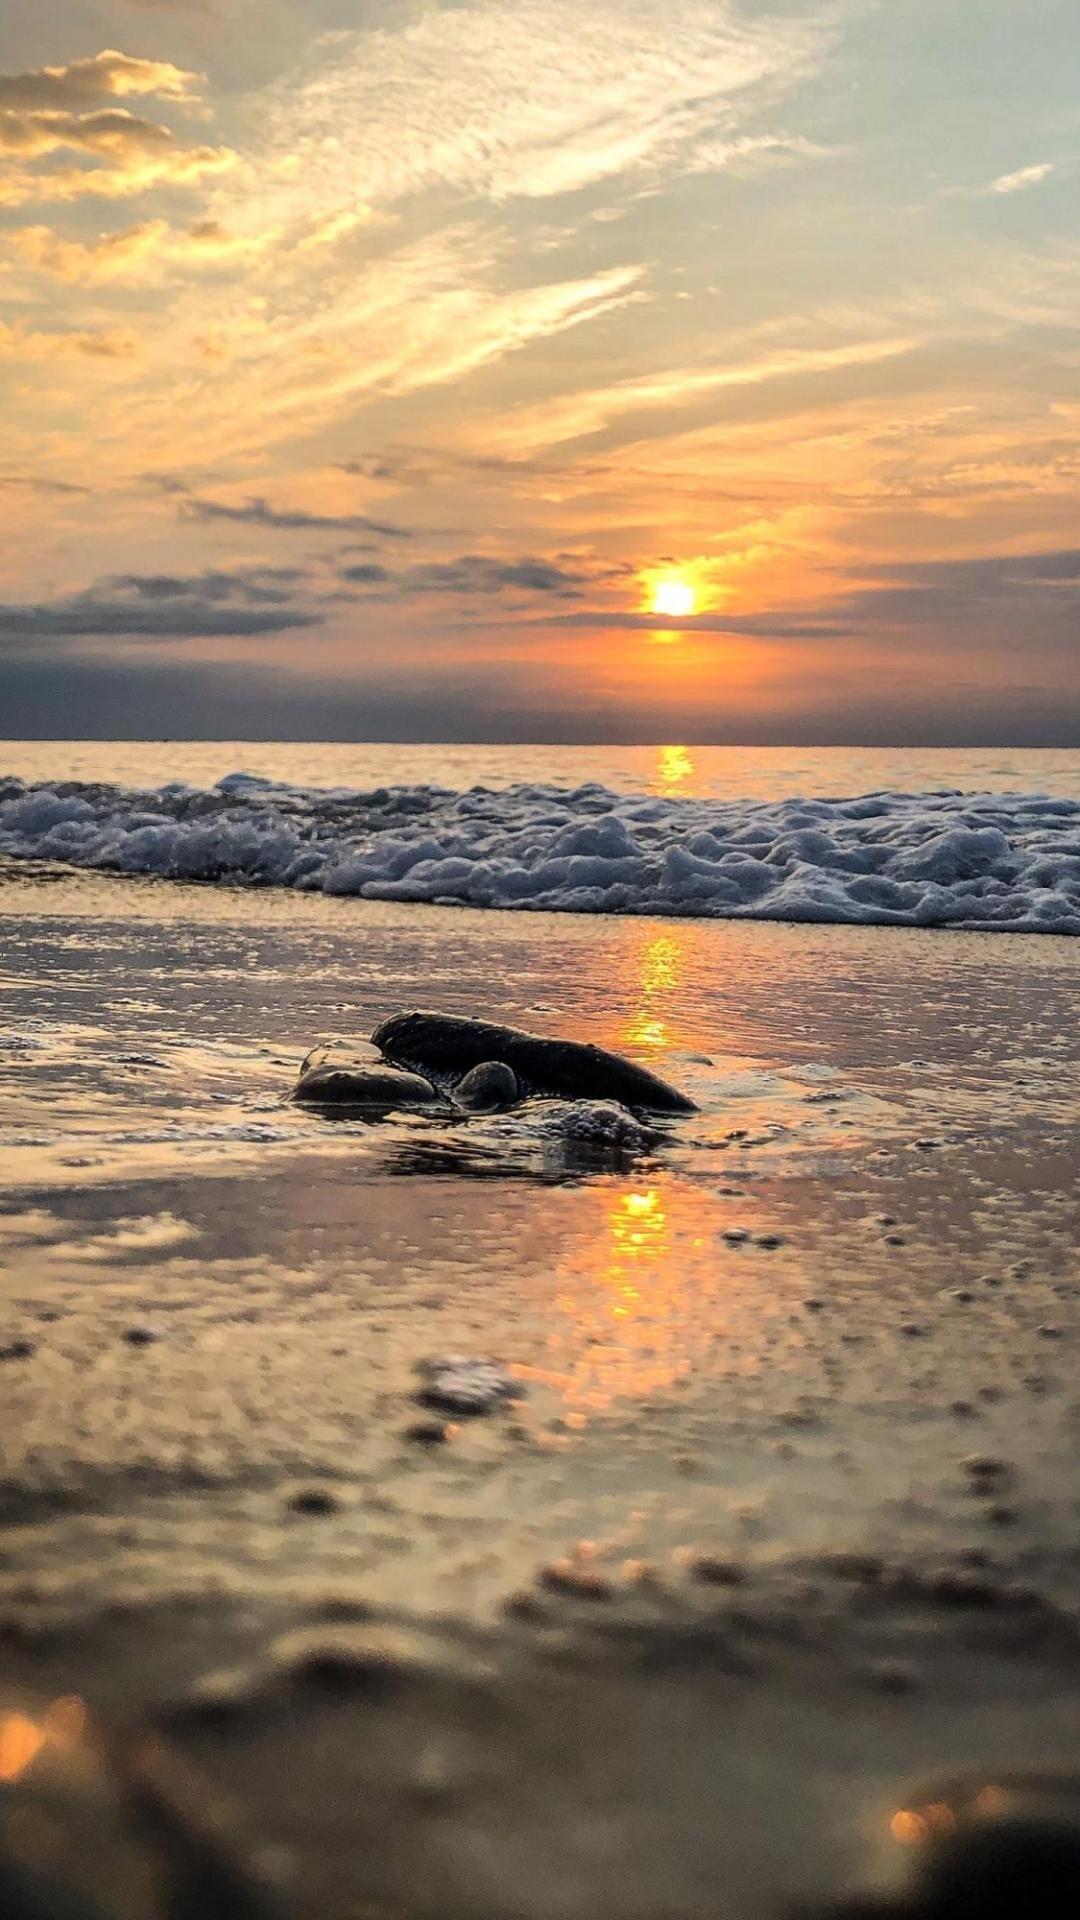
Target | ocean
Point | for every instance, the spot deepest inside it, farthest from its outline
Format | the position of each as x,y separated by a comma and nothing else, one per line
780,1520
975,840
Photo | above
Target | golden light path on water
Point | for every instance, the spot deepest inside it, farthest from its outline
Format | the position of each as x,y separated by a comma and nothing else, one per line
640,1294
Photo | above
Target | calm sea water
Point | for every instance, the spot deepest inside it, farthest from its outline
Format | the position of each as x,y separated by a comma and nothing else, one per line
723,773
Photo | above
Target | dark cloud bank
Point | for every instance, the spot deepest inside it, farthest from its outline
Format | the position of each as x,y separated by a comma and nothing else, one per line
979,652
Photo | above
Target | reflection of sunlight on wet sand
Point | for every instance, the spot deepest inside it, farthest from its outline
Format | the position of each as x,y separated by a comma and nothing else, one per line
658,964
63,1725
649,1297
640,1301
623,1333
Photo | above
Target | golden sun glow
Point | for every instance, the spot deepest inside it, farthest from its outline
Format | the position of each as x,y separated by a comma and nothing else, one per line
674,596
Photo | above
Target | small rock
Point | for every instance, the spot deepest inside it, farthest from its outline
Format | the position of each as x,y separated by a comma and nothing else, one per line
524,1605
348,1659
965,1590
770,1240
460,1383
895,1240
380,1088
427,1433
141,1335
983,1466
893,1676
1001,1868
17,1350
736,1236
912,1330
315,1501
214,1698
814,1305
714,1572
1050,1333
489,1087
576,1578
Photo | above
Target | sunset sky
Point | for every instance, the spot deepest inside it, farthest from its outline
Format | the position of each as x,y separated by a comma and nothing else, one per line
375,368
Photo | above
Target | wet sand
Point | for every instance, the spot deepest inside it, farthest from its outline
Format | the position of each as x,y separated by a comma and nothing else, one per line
787,1515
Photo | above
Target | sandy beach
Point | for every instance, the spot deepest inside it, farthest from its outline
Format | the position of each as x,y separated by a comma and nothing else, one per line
796,1420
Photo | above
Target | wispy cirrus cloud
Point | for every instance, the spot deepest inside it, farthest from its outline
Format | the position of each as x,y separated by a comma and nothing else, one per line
1005,183
154,251
532,99
101,343
574,416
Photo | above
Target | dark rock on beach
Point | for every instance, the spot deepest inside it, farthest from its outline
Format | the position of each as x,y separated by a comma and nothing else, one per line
488,1088
379,1087
448,1043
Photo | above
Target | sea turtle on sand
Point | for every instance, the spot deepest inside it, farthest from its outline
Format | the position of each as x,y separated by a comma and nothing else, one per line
450,1045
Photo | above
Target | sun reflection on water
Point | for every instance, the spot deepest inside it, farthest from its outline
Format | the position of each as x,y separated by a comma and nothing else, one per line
675,766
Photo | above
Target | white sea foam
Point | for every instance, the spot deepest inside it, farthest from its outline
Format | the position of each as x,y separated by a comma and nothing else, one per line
1004,862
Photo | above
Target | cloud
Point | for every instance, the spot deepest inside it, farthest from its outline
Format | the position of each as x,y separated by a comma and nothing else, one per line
111,132
930,588
135,172
37,483
481,576
958,599
108,343
1018,182
749,153
1006,183
210,605
258,512
572,416
154,250
103,75
318,345
529,100
173,6
52,110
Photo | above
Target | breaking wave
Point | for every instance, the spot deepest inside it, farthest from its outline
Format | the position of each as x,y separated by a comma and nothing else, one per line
1002,862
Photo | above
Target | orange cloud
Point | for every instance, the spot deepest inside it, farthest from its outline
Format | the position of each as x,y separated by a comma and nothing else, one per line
110,343
102,75
137,173
154,249
112,132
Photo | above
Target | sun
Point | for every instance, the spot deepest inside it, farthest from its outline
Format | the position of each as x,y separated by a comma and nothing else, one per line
673,595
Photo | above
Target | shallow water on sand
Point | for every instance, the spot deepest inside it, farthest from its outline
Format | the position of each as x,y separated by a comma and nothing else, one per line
773,1341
